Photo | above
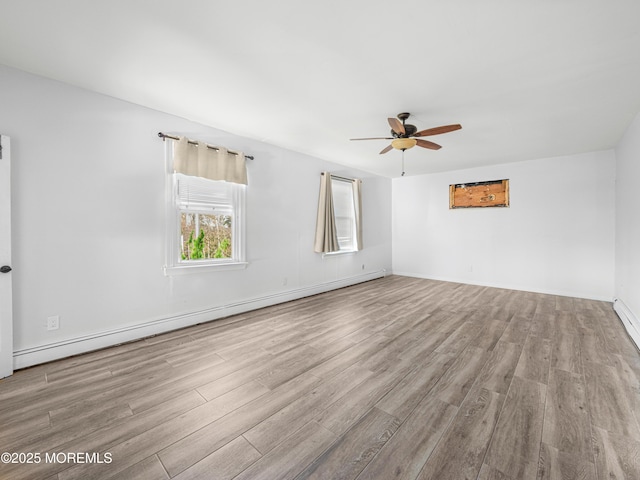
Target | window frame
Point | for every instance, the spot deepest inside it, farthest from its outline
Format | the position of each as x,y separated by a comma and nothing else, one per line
174,265
354,242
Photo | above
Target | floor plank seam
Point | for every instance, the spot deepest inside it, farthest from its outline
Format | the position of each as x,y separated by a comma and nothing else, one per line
162,464
594,454
544,416
262,454
506,395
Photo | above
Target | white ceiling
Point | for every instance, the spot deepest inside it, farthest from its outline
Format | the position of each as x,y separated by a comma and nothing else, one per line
526,79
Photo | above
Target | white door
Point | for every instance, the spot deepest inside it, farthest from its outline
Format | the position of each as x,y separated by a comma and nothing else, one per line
6,315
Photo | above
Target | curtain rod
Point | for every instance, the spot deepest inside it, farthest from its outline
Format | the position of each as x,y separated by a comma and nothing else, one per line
164,135
340,178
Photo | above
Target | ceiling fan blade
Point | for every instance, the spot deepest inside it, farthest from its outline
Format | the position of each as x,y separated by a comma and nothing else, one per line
437,130
373,138
396,125
427,144
386,149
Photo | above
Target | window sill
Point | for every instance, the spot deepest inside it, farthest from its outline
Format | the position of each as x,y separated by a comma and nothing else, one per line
339,253
209,267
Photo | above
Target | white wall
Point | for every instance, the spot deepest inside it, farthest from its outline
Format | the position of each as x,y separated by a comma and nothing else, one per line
88,223
627,276
556,237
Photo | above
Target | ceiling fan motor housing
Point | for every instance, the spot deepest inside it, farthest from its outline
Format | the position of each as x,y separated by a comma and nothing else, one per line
408,131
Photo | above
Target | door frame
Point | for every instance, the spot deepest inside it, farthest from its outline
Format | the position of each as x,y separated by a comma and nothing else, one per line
6,296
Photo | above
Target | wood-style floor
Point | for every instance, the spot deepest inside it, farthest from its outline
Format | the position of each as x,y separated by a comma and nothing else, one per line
395,378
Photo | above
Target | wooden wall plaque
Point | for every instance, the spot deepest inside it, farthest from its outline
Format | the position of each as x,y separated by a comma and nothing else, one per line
494,193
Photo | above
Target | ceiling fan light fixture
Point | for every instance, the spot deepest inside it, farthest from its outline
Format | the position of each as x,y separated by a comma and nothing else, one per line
404,143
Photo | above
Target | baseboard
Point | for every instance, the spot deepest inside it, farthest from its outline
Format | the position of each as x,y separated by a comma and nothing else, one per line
629,320
506,286
53,351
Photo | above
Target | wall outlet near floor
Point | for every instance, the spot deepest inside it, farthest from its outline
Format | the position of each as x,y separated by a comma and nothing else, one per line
53,323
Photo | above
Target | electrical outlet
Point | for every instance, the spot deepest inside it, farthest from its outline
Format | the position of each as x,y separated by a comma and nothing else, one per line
285,280
53,323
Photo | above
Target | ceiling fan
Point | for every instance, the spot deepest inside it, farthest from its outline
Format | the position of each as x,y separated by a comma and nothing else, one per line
403,135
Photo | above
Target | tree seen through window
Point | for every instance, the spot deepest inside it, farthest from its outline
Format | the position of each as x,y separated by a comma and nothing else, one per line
205,236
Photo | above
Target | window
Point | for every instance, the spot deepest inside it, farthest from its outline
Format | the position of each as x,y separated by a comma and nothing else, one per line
339,218
345,214
343,206
205,224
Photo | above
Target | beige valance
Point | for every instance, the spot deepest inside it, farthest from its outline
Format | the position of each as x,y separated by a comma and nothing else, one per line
215,163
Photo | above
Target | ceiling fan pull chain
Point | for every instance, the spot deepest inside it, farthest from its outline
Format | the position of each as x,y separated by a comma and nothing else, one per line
402,163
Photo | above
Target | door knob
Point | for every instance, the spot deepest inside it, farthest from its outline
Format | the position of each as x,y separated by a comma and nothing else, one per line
5,269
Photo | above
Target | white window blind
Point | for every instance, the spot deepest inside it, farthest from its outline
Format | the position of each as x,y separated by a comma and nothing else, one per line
196,192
